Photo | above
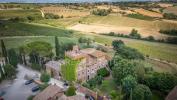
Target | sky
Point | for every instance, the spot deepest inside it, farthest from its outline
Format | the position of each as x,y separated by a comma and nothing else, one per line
66,1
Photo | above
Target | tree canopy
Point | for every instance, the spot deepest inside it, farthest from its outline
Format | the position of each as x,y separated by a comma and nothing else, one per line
45,77
128,84
141,92
42,48
122,68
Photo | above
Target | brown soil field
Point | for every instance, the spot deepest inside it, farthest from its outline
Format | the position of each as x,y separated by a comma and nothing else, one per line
124,25
99,29
165,5
171,10
66,12
148,13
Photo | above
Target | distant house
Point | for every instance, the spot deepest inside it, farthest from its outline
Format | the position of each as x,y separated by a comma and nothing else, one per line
53,68
91,60
172,95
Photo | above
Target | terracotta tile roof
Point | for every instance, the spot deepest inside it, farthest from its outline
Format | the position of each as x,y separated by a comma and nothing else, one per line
172,95
75,97
93,52
48,93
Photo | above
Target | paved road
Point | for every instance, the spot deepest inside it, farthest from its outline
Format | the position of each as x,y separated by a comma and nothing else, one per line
16,89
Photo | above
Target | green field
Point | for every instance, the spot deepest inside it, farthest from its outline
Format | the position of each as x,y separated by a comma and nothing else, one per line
15,42
27,29
139,16
6,14
60,22
110,20
153,49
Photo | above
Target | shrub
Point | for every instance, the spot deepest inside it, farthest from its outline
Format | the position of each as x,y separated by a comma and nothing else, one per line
169,16
71,91
117,44
51,16
128,84
43,86
129,53
141,92
10,71
45,77
169,32
172,40
36,66
163,82
30,18
150,38
101,12
103,72
134,34
30,97
97,80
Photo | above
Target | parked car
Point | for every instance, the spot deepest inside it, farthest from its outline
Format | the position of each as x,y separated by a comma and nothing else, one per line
89,97
29,82
65,84
36,88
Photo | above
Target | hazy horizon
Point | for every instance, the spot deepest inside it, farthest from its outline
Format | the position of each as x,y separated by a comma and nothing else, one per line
66,1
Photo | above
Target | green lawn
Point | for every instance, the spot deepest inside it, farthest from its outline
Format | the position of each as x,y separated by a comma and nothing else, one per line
69,69
27,29
107,86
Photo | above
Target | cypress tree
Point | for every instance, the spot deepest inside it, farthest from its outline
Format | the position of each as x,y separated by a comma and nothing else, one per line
57,47
13,57
4,51
34,57
20,57
22,53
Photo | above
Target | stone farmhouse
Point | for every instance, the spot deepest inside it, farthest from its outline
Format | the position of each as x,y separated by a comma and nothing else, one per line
91,60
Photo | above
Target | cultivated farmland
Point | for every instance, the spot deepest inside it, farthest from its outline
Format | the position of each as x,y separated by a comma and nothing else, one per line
65,12
27,29
119,24
148,13
6,14
171,10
